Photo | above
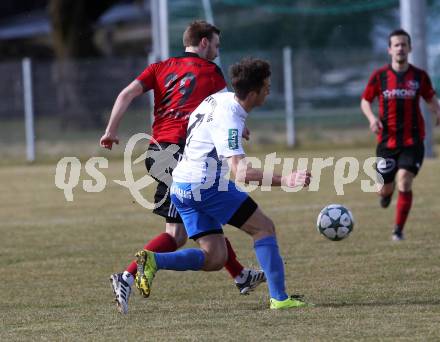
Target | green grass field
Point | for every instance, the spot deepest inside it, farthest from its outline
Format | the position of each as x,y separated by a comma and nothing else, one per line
56,256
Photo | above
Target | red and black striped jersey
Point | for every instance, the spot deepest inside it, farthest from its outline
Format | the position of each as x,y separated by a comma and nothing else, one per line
180,84
399,109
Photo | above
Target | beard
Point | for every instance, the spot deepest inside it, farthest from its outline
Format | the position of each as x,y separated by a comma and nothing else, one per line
401,59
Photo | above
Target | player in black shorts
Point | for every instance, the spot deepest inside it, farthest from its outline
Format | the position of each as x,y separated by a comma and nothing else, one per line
160,166
407,158
179,84
400,127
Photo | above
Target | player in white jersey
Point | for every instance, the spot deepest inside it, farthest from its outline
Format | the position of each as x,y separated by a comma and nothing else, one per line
206,199
213,135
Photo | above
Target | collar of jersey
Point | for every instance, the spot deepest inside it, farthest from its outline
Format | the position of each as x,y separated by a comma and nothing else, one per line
189,54
243,113
399,73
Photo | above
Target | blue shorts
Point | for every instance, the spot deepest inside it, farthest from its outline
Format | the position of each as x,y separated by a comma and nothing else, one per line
204,211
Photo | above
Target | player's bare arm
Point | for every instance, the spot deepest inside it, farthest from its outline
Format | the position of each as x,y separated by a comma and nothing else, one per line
375,124
122,102
246,133
434,107
244,173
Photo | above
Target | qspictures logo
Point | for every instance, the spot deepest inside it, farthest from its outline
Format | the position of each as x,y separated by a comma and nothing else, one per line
67,180
162,161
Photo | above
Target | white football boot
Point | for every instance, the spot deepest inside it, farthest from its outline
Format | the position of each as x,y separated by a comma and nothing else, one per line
121,290
250,280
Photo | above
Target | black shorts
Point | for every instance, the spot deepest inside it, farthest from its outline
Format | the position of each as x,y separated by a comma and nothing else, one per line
408,158
243,213
160,163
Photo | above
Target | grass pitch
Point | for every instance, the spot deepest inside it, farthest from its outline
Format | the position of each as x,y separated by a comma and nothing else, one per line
56,256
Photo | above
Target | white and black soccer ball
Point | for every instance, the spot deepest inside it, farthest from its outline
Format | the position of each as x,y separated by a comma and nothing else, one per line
335,222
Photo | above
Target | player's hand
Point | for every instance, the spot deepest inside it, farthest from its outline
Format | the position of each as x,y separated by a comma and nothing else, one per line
299,178
376,126
108,139
246,133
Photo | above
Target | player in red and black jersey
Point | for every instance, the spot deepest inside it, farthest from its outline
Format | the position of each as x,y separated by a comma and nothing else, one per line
180,84
400,127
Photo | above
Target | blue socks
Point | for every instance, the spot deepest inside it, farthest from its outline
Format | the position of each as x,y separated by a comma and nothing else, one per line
191,259
268,256
271,262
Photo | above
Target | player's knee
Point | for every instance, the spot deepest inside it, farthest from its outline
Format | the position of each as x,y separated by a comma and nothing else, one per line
268,227
215,260
220,260
214,265
405,188
181,240
218,265
386,190
178,232
405,184
261,228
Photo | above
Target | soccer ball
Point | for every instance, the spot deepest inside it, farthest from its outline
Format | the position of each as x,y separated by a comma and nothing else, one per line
335,222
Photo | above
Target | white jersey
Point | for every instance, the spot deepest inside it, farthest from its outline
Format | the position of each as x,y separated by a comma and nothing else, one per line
214,133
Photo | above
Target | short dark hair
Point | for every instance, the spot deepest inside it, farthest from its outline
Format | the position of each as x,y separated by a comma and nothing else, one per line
399,32
248,75
198,30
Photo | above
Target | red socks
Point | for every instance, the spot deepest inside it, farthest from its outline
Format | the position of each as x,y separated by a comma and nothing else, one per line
404,201
161,244
232,265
